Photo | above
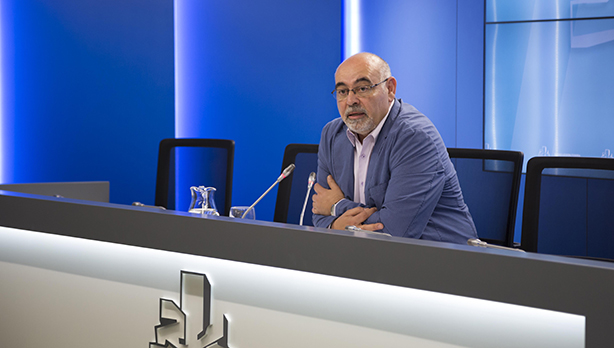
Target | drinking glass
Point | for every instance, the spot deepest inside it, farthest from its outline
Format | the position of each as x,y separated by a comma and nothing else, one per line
238,211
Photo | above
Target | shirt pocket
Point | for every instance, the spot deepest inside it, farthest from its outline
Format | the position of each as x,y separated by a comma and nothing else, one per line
376,196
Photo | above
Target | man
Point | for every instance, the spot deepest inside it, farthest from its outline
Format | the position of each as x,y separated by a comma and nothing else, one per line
383,166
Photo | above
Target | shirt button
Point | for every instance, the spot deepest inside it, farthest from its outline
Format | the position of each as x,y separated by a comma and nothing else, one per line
362,183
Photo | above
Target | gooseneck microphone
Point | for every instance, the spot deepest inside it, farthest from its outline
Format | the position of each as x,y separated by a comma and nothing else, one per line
283,175
479,243
310,181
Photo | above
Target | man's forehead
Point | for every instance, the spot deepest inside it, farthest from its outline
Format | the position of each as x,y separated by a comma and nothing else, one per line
350,72
349,77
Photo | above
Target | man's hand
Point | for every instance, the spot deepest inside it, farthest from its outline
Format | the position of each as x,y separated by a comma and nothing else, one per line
355,217
324,199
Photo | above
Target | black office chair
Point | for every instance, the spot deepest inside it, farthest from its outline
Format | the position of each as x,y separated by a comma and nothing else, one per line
568,204
490,182
293,190
183,163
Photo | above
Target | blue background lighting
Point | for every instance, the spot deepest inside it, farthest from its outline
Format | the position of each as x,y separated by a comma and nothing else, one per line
87,92
259,73
91,87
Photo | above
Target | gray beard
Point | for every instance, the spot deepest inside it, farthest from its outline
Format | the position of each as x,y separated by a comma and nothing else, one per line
362,126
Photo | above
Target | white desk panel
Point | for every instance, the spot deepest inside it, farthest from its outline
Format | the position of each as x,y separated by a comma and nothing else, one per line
71,290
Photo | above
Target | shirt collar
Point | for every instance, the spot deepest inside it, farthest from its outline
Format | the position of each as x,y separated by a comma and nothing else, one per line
374,133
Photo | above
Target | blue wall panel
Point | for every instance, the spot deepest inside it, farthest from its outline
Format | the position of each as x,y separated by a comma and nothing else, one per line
91,93
418,40
470,74
435,49
260,73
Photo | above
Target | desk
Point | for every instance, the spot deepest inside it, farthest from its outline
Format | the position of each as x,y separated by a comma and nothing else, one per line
309,275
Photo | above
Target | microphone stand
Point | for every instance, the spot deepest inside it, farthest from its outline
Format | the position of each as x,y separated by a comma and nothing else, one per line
283,175
310,181
258,200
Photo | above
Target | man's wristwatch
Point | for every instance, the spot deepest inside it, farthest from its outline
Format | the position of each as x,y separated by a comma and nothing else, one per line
334,207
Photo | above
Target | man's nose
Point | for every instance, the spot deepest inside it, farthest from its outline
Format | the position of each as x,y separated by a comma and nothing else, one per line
352,99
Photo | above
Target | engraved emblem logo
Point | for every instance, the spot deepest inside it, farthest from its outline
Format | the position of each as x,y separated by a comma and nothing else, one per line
189,322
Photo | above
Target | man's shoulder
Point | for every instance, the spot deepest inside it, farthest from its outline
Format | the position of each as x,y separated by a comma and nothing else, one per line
412,127
333,126
408,121
409,116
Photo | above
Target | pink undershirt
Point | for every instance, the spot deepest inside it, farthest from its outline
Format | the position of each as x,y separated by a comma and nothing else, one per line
362,155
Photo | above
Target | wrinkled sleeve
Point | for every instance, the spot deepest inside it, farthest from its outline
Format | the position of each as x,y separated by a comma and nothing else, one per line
324,165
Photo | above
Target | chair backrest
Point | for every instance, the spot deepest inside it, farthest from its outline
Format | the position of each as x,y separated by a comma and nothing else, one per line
293,190
183,163
568,203
490,182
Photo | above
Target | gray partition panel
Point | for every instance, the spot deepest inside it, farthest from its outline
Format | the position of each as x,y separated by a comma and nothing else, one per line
576,286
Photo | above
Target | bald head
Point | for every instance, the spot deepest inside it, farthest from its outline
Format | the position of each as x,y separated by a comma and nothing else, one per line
372,62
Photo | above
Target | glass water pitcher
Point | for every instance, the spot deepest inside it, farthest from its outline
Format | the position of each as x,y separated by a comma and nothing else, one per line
202,201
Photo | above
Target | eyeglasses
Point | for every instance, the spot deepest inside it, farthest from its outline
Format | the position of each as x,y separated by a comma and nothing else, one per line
360,91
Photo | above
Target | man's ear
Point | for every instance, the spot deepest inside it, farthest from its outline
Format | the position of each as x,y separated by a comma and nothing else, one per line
391,85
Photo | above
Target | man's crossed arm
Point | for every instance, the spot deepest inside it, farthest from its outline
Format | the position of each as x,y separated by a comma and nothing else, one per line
324,199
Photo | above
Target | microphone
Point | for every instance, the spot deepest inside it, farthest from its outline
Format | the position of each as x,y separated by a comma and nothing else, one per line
283,175
289,169
479,243
310,181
